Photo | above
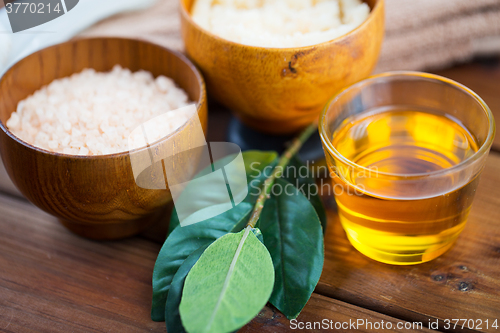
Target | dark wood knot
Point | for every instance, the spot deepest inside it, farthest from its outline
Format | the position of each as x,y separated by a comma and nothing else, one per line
438,277
464,286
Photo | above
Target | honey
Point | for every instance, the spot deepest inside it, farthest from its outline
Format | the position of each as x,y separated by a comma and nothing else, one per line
397,221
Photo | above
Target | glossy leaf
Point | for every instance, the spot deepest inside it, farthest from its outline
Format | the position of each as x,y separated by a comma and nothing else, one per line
258,166
172,315
228,286
184,241
293,234
256,163
306,184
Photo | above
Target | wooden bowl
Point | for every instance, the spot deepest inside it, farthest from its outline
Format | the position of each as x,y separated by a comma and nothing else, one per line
282,90
93,196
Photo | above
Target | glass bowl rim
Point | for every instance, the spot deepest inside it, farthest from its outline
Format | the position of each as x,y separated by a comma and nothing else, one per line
483,150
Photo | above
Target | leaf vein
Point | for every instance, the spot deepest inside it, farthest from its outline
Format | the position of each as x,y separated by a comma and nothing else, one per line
228,278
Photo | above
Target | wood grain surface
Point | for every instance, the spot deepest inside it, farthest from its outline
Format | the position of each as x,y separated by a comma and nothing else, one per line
54,281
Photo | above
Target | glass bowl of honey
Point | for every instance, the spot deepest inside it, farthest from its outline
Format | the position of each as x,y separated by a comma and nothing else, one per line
405,151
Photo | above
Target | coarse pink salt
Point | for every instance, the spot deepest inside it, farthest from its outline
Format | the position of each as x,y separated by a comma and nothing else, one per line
92,113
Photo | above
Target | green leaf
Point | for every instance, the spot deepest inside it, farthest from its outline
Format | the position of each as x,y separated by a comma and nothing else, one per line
172,315
184,241
293,234
257,169
228,286
306,184
257,162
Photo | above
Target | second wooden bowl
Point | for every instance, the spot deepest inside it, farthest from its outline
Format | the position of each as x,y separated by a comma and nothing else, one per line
94,196
281,90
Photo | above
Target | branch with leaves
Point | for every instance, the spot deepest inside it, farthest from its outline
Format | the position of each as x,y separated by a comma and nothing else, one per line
216,275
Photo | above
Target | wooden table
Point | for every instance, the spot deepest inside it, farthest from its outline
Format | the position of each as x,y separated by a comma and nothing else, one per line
54,281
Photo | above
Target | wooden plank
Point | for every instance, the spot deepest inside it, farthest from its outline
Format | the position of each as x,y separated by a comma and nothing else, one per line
51,280
54,281
340,316
482,77
464,283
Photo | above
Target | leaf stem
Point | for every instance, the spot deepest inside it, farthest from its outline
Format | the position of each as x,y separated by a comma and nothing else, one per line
278,170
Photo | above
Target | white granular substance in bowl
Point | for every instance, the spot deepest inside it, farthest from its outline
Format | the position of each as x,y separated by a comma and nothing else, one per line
93,113
279,23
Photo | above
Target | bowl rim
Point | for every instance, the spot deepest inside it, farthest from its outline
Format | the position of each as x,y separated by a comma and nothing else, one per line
481,152
180,56
186,15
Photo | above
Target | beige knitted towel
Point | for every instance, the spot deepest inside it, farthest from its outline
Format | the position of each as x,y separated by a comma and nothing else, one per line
420,34
431,34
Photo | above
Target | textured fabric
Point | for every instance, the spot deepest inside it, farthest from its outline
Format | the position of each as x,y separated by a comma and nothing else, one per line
420,34
431,34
